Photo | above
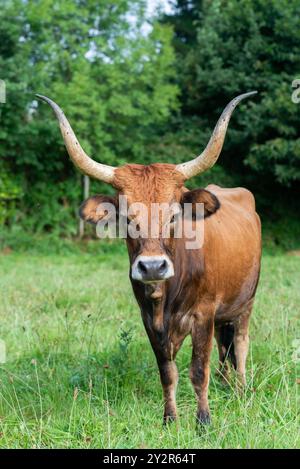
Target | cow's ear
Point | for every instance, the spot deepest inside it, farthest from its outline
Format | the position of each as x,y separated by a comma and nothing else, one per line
201,196
96,207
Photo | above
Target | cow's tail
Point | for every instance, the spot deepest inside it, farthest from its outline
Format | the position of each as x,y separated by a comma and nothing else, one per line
227,335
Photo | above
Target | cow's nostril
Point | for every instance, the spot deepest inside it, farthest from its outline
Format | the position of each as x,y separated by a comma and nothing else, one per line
142,267
163,266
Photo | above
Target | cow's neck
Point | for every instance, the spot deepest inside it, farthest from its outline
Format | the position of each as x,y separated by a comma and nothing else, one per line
189,270
155,293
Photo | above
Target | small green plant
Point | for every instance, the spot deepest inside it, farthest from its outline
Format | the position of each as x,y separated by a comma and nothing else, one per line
10,194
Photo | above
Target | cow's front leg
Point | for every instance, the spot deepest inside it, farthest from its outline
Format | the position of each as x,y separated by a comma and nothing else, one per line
202,340
169,378
165,357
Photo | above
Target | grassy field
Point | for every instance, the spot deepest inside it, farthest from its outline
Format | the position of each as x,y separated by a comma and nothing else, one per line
80,372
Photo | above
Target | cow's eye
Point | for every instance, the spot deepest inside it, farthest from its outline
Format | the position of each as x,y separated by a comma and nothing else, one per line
174,218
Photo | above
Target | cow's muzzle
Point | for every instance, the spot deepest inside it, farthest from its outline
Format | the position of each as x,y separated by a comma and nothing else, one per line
149,269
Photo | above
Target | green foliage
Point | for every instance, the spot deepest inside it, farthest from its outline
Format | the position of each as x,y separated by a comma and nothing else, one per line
244,45
113,81
184,18
16,239
10,193
120,90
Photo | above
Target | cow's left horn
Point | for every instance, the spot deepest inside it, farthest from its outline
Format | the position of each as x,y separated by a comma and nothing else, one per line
83,162
213,149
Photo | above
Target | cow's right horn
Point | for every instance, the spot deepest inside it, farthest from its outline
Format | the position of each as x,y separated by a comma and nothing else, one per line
213,149
83,162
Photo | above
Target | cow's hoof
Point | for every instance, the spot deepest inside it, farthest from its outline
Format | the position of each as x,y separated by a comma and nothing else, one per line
169,419
240,383
203,419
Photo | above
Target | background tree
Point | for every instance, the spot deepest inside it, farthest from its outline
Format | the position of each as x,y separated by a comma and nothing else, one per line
111,79
242,45
120,88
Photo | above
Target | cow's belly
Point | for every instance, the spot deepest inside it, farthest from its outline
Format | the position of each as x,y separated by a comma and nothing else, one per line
235,293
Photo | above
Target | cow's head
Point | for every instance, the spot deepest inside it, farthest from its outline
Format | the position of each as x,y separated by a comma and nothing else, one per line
159,184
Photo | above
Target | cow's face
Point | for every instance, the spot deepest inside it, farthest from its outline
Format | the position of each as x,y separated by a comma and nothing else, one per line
151,192
153,195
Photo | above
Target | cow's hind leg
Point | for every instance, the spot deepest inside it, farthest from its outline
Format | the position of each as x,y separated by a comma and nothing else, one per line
241,342
202,339
224,335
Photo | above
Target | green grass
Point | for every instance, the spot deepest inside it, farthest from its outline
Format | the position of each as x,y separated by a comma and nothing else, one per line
80,372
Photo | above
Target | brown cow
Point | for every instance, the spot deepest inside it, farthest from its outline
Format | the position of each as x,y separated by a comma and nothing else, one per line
203,292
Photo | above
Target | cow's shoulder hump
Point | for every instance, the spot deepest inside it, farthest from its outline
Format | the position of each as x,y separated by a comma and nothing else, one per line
236,195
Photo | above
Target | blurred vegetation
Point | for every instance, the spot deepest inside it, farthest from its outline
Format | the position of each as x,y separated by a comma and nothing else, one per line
224,48
230,47
144,90
111,78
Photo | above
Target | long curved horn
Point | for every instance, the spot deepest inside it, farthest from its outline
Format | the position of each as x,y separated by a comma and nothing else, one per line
213,149
83,162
